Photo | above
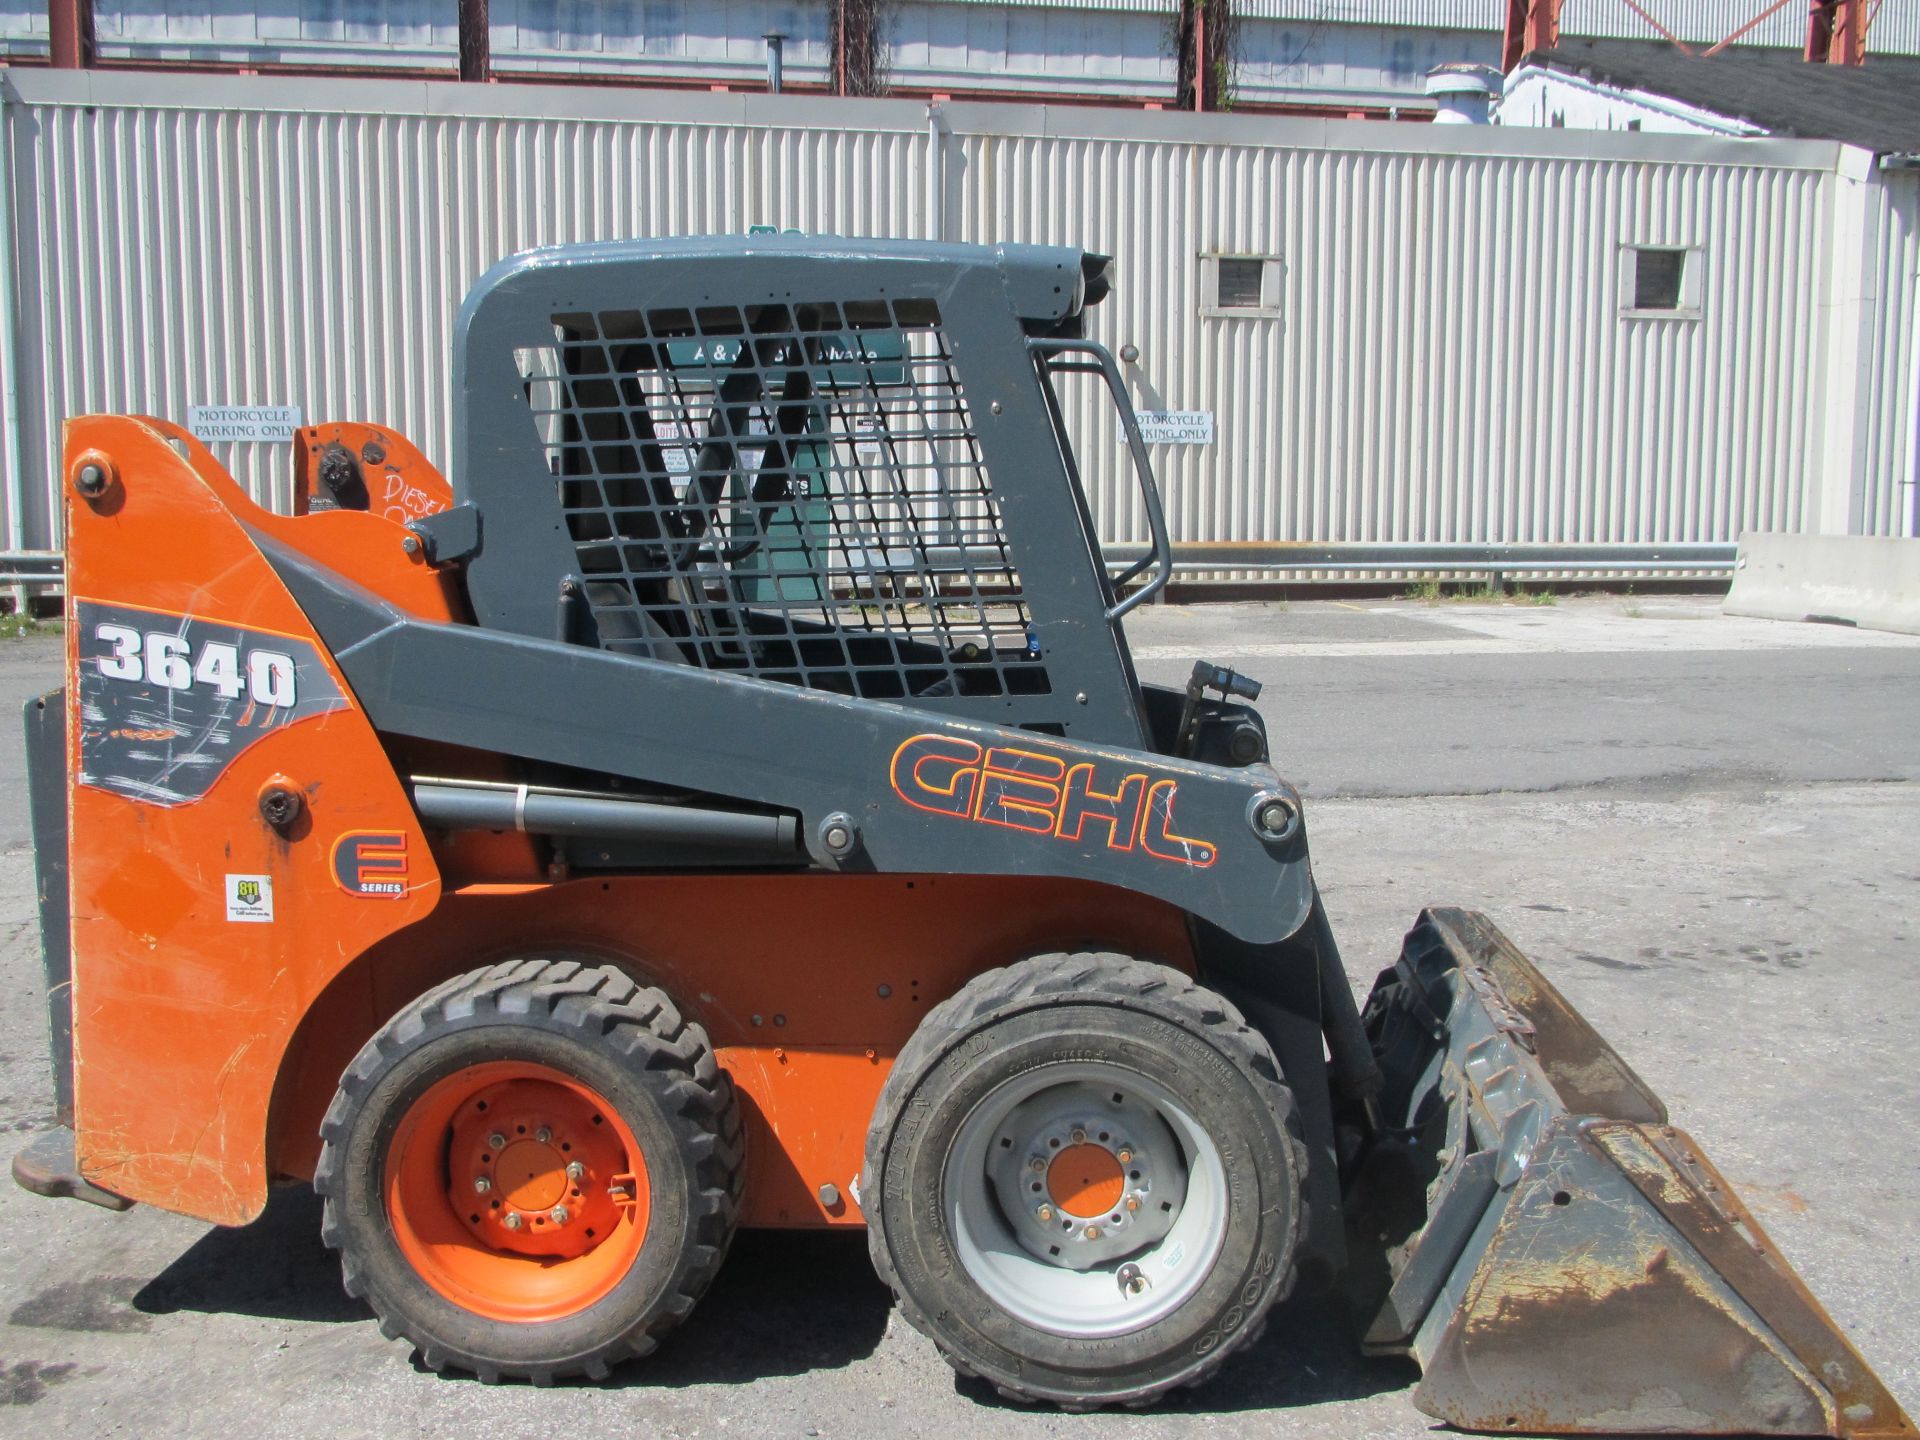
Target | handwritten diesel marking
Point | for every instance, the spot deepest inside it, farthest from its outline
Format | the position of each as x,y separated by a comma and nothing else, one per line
1043,795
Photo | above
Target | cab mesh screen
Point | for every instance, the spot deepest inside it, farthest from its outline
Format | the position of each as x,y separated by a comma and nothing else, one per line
791,492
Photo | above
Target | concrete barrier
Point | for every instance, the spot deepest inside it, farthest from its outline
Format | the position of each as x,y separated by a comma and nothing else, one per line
1841,579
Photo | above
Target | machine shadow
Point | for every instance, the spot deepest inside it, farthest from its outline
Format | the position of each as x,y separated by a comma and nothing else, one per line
1307,1356
275,1268
785,1303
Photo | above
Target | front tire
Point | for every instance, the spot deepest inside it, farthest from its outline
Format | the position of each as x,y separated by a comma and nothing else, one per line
533,1171
1084,1180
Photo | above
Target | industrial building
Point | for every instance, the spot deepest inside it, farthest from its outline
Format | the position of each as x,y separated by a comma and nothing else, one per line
1338,57
1342,331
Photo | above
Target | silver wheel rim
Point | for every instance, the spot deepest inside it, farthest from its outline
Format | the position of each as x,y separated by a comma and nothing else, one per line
1035,1218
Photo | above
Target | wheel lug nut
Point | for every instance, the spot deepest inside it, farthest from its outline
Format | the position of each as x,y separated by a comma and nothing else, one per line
1037,1164
481,1185
1125,1157
543,1135
513,1220
558,1215
1092,1232
1133,1202
496,1141
1045,1212
1078,1136
576,1171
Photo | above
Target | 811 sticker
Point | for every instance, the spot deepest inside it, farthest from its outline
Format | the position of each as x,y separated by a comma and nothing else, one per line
165,702
250,899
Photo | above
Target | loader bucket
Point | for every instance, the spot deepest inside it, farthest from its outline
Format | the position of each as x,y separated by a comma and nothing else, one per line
1578,1265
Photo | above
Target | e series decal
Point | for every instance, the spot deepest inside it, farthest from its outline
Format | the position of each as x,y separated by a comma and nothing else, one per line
372,863
167,701
1042,794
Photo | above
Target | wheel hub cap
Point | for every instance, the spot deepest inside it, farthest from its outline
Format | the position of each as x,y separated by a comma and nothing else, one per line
1086,1181
534,1169
1086,1175
533,1176
1084,1199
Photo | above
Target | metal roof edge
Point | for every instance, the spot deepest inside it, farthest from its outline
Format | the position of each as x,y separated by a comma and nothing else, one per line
282,94
1074,122
511,101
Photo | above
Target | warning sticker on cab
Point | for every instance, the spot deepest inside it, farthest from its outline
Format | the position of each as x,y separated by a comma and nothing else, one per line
166,702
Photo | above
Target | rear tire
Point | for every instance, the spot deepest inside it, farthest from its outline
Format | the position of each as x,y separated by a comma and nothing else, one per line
532,1172
1084,1180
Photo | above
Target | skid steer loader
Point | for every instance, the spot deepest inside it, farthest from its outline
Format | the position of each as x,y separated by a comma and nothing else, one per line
729,801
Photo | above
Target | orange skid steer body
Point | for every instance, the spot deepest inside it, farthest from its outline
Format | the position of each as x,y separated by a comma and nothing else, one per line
730,801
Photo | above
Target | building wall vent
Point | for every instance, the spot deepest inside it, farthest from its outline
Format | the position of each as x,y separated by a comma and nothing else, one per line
1240,285
1660,280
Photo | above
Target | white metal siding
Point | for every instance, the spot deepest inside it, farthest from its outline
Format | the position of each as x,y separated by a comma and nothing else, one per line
1448,362
172,257
1537,96
1890,498
1434,14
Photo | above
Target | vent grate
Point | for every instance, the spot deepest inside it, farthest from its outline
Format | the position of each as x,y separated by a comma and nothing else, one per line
795,493
1657,278
1239,283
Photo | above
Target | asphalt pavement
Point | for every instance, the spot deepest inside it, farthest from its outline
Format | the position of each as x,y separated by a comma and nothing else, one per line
1703,829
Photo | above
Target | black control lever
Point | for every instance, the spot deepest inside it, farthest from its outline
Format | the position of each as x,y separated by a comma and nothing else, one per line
1231,684
1209,676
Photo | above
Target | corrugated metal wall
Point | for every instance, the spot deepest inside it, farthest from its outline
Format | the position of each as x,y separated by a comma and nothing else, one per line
1437,14
1890,489
1448,361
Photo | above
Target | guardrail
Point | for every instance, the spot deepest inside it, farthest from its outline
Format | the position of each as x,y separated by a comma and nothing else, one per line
1469,558
48,567
32,567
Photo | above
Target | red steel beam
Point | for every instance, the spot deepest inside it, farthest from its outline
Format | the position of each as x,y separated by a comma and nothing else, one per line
70,26
1837,32
1531,25
1851,33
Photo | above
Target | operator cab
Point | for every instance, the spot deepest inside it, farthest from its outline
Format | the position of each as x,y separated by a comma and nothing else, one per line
837,464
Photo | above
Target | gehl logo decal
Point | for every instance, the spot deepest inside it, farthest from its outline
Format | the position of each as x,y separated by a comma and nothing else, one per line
1044,795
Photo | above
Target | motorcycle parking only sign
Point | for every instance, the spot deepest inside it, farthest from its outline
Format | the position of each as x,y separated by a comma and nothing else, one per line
1175,427
210,423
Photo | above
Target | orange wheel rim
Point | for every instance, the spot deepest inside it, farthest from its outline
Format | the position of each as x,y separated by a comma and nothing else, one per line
516,1192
